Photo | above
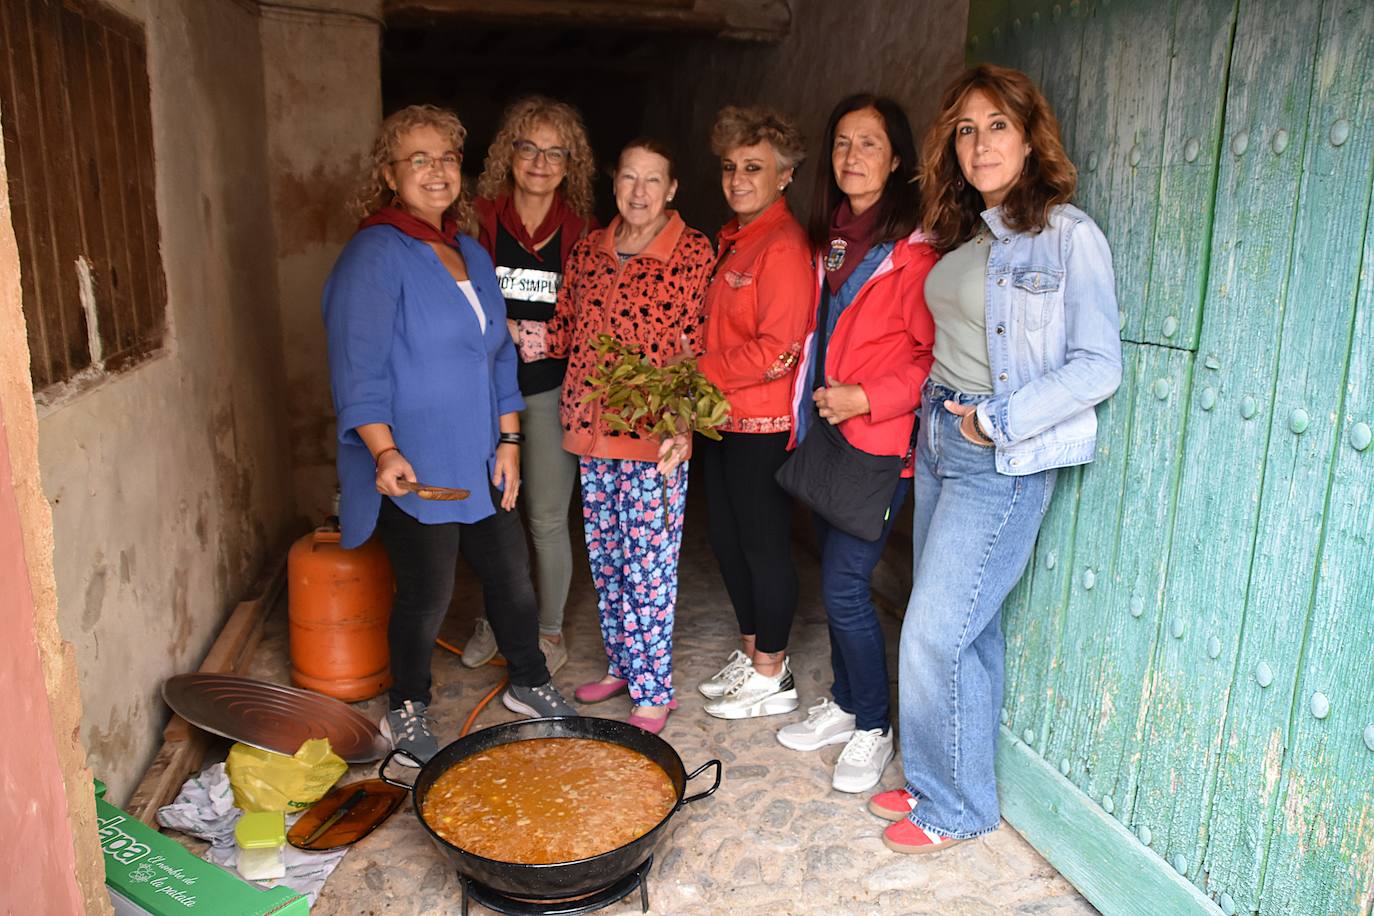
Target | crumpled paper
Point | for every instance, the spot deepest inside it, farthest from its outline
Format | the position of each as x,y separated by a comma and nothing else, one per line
205,809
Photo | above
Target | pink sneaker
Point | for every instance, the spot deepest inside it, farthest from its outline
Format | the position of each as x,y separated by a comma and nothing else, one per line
596,691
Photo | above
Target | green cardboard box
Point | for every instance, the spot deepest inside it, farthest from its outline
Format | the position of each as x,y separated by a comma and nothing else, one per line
146,872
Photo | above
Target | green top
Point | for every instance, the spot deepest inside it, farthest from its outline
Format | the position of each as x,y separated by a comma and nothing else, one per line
261,830
956,293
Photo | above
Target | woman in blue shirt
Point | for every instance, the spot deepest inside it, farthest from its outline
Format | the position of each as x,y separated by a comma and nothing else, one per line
1026,344
422,370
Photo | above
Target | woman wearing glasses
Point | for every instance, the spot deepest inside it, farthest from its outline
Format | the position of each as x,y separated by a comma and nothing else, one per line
534,202
422,371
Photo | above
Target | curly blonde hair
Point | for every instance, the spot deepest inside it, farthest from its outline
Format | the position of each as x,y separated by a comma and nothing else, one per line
374,194
737,125
523,116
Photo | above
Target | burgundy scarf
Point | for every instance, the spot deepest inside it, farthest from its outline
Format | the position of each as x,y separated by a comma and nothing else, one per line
559,213
850,238
413,226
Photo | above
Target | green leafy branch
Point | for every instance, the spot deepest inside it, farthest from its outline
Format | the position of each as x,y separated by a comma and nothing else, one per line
654,401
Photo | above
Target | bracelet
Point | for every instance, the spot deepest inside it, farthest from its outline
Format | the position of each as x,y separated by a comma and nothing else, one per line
512,438
377,458
978,427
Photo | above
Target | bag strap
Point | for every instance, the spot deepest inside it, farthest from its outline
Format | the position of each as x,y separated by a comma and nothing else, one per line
823,338
910,455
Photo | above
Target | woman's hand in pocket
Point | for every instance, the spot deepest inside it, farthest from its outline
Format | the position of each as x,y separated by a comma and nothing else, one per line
968,423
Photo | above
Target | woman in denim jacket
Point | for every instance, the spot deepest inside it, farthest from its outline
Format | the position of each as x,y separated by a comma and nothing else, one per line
1027,342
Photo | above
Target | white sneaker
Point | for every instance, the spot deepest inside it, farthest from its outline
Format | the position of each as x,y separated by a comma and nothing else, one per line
862,761
825,724
757,695
480,647
737,667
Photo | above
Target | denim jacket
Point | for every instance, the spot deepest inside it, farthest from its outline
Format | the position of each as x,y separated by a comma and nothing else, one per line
1054,341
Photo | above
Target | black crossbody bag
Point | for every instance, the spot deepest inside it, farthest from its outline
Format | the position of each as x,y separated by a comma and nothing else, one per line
850,488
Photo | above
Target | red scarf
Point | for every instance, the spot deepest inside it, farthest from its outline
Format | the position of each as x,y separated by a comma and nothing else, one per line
850,238
413,226
559,214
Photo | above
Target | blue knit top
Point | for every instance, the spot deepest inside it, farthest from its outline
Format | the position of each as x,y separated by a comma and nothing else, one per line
406,349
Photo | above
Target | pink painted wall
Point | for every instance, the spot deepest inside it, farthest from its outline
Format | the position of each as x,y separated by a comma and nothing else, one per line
37,862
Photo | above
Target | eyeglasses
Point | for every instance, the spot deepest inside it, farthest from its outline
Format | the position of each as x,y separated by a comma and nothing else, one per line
554,155
421,161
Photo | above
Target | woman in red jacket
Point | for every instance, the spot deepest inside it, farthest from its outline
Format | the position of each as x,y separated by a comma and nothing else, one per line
757,309
863,364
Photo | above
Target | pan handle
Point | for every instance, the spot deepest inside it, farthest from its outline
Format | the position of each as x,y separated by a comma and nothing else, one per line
697,772
386,761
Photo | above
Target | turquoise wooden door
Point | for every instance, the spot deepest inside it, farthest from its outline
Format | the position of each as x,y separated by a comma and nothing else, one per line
1190,693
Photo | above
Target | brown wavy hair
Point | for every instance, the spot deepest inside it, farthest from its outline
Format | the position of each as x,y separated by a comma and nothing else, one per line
950,206
523,116
373,193
738,125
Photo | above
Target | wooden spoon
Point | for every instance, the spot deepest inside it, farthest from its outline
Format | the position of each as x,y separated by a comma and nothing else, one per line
425,491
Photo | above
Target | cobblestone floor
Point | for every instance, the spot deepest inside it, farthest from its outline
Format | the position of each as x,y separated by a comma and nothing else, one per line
775,838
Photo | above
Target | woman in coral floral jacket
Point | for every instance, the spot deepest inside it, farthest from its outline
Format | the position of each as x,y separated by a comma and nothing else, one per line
641,280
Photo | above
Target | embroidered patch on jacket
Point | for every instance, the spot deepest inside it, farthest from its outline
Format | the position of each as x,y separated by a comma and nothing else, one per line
738,278
783,364
835,256
759,425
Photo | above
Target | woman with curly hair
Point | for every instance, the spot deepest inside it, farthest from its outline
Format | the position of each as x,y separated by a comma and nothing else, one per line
757,308
1026,344
534,203
422,370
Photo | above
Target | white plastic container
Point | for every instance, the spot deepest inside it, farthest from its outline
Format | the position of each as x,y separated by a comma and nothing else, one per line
261,838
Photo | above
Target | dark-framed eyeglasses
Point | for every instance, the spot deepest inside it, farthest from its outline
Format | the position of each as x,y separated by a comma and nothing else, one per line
553,155
450,161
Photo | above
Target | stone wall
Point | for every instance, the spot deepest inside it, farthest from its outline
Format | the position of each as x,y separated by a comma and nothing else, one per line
907,50
170,483
323,87
45,787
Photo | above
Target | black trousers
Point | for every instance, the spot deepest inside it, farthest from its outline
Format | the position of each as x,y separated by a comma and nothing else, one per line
423,559
749,524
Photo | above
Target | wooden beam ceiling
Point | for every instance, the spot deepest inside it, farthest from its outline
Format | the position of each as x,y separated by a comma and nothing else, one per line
742,20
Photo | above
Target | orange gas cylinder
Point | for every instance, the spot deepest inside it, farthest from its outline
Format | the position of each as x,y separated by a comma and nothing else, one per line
340,602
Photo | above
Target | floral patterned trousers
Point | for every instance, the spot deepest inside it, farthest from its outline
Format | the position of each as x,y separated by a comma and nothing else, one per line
632,518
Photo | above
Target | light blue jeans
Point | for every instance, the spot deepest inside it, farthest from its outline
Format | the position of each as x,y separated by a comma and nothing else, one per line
972,534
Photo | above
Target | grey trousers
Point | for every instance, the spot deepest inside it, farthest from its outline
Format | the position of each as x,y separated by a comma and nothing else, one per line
547,477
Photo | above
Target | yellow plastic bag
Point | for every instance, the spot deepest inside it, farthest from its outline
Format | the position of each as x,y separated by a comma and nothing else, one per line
264,781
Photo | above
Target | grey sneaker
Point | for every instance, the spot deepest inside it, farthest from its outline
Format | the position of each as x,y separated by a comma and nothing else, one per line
555,654
481,646
757,695
737,667
826,723
409,729
862,761
537,702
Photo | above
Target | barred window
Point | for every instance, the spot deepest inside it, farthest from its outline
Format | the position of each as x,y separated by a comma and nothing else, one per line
74,105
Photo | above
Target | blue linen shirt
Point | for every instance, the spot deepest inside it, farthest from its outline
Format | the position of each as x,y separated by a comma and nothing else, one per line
840,301
406,349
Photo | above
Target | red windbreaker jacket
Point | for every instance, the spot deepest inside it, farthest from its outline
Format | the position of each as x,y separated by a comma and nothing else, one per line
882,341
